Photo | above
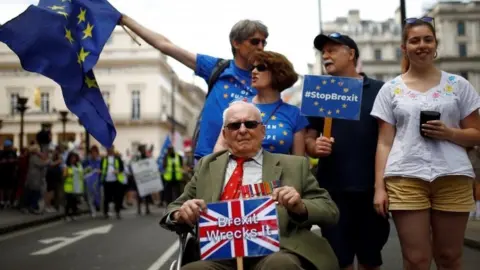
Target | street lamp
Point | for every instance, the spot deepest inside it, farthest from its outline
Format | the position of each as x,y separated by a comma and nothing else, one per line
402,13
87,137
21,107
64,119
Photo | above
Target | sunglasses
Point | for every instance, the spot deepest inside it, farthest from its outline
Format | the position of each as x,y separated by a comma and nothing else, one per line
259,67
256,41
248,125
426,19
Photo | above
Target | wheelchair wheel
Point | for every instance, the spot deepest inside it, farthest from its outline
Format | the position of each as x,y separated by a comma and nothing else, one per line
173,266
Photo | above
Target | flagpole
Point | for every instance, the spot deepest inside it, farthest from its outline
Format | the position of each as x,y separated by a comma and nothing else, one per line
130,34
239,263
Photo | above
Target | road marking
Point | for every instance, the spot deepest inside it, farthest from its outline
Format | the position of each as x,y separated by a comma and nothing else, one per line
65,241
165,256
31,230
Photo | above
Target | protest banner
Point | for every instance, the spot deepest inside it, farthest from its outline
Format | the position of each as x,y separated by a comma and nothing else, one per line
331,97
146,176
239,228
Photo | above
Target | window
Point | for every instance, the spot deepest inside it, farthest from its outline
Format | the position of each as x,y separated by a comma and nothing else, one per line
45,102
462,50
461,28
378,54
398,53
136,105
106,98
13,103
464,74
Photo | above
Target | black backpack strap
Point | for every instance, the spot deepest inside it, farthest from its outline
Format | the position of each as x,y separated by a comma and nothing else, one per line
220,66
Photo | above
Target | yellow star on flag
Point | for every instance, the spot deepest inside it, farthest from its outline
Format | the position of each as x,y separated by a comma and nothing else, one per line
344,106
57,8
322,109
243,82
262,114
68,35
324,82
272,147
285,133
282,142
345,90
315,103
318,87
332,80
225,95
329,112
274,117
63,13
88,31
81,16
280,125
337,111
91,82
225,86
82,55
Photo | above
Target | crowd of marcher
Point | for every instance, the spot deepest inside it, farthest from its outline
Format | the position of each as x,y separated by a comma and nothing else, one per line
405,158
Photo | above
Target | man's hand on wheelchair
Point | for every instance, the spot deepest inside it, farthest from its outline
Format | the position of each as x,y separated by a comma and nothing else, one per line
189,212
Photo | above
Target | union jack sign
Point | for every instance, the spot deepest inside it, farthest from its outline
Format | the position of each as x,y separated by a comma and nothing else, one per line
239,228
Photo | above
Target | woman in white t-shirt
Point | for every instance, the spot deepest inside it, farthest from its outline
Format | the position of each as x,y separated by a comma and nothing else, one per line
423,174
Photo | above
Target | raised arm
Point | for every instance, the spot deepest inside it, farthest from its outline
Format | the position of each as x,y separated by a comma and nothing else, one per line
160,42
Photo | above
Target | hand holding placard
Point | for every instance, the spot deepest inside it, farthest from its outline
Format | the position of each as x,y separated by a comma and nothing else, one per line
323,146
189,212
289,198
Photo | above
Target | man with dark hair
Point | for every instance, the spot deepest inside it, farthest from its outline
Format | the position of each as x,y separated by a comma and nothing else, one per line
234,77
346,166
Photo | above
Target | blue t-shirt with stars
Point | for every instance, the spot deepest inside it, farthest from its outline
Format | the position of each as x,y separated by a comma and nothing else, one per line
283,124
232,84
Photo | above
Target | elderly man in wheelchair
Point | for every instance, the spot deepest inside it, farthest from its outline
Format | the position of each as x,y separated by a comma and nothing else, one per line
301,203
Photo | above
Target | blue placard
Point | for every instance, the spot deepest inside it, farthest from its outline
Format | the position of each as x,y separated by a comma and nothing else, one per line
331,96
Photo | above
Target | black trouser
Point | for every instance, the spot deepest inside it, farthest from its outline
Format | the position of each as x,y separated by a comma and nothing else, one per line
71,204
147,200
113,192
172,190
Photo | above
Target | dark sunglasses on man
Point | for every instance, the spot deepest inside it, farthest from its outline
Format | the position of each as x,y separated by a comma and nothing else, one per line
256,41
426,19
248,124
259,67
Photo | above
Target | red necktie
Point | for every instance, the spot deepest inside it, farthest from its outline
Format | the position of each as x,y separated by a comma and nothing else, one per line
232,189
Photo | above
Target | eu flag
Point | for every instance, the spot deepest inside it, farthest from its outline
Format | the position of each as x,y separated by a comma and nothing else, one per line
62,40
332,96
167,143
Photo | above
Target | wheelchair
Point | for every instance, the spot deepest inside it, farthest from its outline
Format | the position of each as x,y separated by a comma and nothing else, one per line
189,248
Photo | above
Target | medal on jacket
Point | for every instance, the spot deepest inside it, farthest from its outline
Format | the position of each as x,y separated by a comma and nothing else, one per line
260,189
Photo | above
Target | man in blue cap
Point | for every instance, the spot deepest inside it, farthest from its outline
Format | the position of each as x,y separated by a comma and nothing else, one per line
346,166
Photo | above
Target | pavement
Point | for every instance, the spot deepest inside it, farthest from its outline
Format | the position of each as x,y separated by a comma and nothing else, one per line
133,243
472,234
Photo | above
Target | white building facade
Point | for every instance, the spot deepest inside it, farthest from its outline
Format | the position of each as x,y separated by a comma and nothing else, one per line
136,83
457,25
